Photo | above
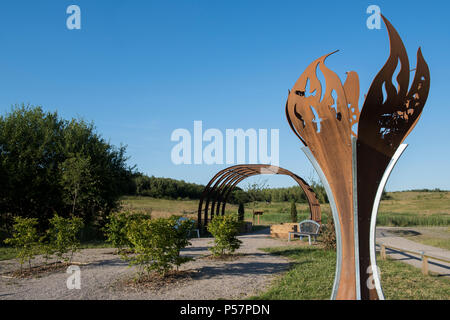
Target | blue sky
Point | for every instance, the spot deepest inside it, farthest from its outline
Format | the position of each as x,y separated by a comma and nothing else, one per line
141,69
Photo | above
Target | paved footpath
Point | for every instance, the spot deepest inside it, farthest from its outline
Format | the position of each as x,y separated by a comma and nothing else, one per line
384,236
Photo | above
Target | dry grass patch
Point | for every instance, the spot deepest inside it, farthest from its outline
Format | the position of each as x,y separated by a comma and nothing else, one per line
37,271
155,281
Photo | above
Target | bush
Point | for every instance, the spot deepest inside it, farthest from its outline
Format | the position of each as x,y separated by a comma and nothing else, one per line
63,236
156,243
183,227
293,212
116,230
224,230
241,212
329,233
25,239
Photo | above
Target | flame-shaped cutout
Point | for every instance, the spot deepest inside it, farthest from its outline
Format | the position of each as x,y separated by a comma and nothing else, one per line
307,112
384,124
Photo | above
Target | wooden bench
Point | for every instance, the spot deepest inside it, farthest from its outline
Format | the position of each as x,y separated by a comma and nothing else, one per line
306,228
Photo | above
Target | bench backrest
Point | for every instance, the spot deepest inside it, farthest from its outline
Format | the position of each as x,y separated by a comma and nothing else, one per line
309,226
180,221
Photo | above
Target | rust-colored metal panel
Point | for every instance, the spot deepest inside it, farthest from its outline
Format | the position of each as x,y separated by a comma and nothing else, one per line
384,124
386,121
325,119
325,126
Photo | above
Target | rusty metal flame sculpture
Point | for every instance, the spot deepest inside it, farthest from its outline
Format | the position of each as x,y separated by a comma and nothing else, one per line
354,165
216,193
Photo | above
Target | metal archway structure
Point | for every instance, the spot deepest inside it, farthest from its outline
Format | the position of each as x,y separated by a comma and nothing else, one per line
216,193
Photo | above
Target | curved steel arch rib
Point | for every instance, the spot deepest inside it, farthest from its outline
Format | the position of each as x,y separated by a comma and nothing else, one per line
220,187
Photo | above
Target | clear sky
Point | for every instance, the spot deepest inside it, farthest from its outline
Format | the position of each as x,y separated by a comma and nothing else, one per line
141,69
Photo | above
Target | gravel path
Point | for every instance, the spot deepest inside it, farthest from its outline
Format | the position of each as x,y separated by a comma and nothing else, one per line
245,276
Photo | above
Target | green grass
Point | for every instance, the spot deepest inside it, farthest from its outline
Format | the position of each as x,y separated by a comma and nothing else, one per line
401,281
407,219
7,253
95,244
404,209
439,243
311,277
407,209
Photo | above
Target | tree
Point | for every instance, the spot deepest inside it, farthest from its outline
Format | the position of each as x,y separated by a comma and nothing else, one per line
166,188
293,212
239,196
77,180
48,164
241,212
255,189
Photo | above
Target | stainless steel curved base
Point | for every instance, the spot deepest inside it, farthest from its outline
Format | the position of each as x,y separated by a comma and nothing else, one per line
334,212
373,221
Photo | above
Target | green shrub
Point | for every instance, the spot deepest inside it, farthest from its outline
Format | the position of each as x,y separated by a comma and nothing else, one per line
241,212
116,230
156,243
224,230
25,239
328,233
183,227
293,212
63,236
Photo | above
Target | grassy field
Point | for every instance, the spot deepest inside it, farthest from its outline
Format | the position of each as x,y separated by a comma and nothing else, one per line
404,209
415,209
166,208
312,273
427,210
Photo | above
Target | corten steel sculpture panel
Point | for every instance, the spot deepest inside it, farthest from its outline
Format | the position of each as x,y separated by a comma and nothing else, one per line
355,165
216,193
